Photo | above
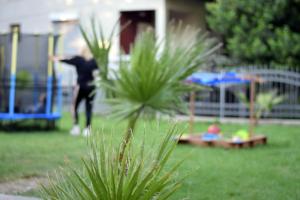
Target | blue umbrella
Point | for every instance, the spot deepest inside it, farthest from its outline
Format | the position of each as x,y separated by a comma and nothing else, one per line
214,79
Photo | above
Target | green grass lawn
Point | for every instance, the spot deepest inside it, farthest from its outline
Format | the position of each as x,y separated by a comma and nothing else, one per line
265,172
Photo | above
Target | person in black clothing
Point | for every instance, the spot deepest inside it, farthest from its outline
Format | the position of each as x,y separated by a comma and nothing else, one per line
87,70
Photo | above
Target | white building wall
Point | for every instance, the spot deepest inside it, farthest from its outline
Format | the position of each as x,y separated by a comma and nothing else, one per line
35,15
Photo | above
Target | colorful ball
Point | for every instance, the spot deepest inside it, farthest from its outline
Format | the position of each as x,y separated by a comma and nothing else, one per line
214,129
242,134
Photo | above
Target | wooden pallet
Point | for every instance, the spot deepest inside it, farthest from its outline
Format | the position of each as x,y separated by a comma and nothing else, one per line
252,142
196,140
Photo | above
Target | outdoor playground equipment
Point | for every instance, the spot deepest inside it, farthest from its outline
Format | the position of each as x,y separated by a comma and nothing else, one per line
29,88
222,79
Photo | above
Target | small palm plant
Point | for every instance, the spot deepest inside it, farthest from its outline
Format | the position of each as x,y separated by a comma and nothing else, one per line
141,176
265,102
154,79
100,46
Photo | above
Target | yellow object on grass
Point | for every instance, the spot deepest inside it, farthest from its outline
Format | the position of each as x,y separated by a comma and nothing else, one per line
242,134
184,136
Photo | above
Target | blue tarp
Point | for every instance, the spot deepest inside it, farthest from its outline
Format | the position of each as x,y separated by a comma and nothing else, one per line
214,79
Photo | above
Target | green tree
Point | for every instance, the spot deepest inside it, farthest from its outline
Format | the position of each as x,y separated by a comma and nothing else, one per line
258,31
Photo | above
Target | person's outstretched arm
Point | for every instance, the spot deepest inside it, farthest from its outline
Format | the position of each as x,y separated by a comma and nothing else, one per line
56,58
74,60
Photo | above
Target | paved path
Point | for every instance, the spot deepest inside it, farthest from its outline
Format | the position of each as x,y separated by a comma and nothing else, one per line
10,197
22,185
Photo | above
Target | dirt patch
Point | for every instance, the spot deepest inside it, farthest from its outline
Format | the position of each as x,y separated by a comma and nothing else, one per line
22,185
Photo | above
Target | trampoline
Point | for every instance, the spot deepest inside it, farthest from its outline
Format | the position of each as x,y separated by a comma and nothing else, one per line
29,87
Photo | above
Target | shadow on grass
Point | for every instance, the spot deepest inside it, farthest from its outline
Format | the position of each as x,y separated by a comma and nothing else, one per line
278,144
32,126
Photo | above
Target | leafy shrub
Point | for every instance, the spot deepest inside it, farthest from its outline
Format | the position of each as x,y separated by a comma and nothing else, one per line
258,31
23,79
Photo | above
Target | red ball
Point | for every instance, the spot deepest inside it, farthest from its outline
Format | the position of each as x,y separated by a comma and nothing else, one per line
214,129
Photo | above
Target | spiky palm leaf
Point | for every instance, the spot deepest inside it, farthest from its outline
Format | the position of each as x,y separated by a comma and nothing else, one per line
140,176
266,101
100,46
154,79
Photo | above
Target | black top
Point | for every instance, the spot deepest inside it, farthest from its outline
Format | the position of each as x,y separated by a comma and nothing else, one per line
84,69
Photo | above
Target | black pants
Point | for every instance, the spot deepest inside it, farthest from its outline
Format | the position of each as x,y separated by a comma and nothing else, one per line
87,94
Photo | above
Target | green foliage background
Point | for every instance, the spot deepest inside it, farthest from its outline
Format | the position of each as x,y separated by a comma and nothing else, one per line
258,31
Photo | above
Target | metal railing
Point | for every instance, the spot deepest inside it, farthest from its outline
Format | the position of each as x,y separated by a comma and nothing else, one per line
285,81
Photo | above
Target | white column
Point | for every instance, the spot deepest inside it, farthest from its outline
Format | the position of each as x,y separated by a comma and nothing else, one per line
161,20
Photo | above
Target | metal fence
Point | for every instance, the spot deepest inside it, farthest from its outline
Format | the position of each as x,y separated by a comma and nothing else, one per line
223,101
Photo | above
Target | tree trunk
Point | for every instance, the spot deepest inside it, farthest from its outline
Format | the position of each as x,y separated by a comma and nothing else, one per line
128,134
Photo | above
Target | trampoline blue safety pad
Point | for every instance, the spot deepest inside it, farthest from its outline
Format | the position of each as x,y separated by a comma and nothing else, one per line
20,116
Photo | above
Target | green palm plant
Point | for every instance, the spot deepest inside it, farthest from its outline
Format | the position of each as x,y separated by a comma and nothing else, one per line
100,46
152,82
141,176
265,102
154,79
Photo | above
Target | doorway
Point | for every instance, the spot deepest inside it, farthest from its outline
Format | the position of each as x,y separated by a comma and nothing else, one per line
139,22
